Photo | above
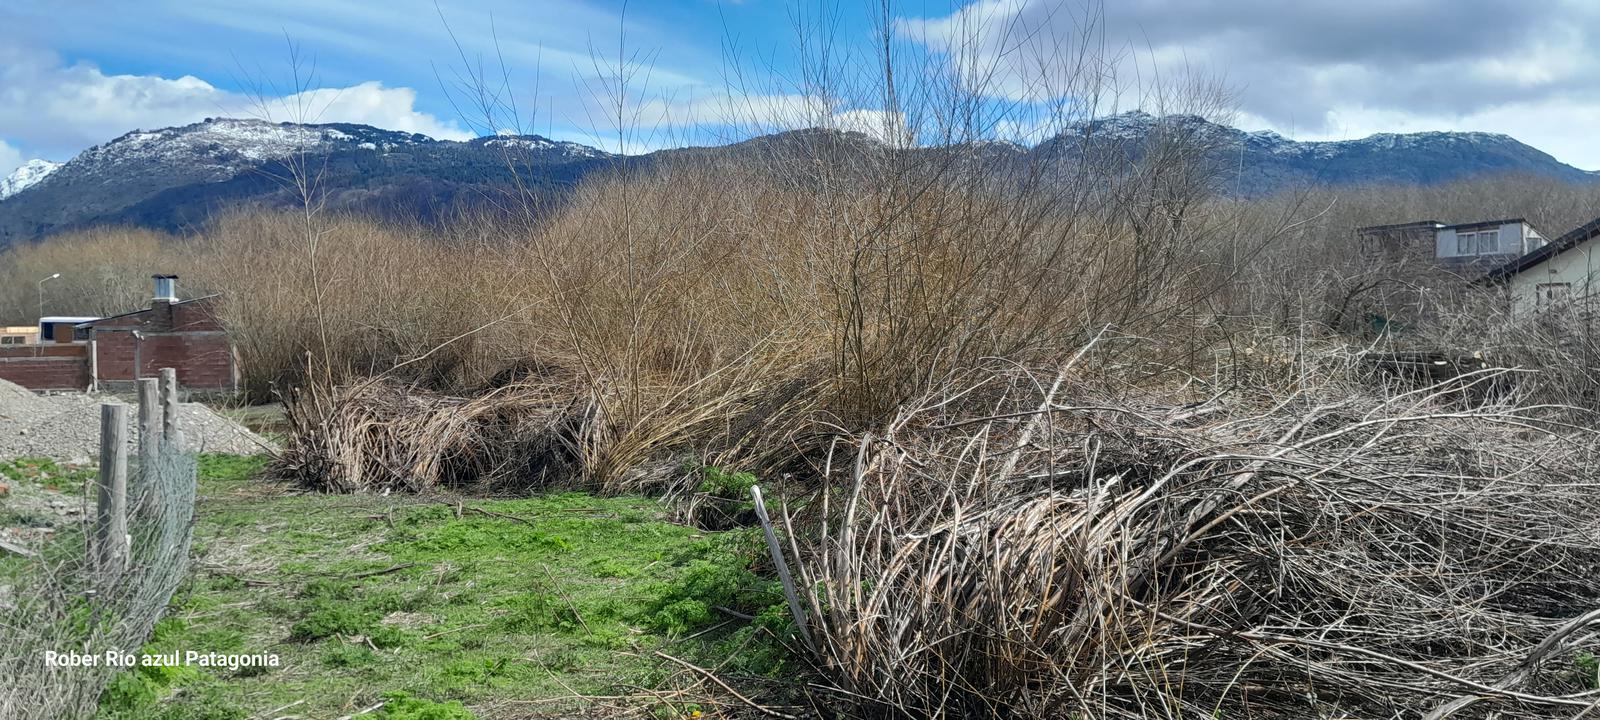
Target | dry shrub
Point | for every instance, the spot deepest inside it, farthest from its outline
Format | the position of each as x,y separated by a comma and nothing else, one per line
1027,547
359,295
717,311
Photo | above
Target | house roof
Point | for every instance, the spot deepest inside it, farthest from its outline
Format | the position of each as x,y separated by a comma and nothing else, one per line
1484,223
1414,225
1555,247
92,321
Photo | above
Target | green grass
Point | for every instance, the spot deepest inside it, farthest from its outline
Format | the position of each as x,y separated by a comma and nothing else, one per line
48,474
495,609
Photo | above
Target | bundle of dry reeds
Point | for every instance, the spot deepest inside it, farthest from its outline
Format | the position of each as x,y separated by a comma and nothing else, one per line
375,435
1018,546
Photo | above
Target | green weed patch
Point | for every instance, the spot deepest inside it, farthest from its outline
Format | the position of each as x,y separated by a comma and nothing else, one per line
471,609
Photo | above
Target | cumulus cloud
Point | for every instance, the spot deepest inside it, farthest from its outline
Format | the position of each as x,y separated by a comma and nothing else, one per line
52,109
1313,69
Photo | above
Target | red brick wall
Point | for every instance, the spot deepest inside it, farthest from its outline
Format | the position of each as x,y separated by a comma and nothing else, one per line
46,367
185,337
203,361
115,352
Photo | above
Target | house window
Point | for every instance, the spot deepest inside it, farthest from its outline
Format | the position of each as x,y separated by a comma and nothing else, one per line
1547,295
11,340
1489,242
1466,243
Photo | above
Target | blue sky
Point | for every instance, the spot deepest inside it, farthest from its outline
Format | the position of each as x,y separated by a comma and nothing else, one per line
78,72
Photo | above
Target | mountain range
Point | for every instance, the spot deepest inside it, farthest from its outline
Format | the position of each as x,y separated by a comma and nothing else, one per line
175,178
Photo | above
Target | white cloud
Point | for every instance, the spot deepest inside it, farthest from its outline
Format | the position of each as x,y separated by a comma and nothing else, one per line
884,126
10,159
721,117
1312,69
51,109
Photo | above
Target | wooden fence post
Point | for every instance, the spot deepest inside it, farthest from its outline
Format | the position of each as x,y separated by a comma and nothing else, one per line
111,511
151,421
171,434
150,429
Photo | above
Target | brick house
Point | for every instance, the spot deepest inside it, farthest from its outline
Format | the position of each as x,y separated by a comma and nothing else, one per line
112,352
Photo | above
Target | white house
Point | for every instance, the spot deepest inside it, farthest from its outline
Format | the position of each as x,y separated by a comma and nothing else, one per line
1558,274
1486,243
1493,241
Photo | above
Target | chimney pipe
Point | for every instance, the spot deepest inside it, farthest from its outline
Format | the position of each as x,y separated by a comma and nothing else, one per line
166,288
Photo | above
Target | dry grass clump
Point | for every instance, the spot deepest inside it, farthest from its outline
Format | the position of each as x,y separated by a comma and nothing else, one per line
1024,546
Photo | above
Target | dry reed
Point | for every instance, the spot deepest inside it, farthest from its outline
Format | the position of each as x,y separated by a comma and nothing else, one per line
1012,547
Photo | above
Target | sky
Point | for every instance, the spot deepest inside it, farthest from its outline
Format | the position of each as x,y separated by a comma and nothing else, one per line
641,75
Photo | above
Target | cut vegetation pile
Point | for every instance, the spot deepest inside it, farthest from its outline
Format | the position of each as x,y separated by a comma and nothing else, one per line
1326,552
377,436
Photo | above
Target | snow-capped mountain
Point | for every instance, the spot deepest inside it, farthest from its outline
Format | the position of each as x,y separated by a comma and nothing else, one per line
26,176
1263,161
175,178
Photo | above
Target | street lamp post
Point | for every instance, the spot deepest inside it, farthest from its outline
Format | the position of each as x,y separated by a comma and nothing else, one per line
41,294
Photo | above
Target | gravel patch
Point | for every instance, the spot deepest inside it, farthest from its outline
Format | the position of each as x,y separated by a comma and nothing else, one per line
67,427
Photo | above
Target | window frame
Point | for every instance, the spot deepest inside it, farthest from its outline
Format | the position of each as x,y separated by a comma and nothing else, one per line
1491,235
1544,298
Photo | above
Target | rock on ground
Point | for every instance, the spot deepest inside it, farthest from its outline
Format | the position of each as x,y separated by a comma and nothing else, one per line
67,427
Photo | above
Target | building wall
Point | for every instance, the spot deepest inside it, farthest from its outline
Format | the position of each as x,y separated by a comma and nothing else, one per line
1408,243
1578,266
184,336
1516,239
46,367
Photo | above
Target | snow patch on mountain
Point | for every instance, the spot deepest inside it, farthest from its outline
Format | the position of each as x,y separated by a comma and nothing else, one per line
26,176
222,147
540,144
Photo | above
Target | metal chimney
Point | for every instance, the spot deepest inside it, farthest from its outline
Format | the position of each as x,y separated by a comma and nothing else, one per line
166,288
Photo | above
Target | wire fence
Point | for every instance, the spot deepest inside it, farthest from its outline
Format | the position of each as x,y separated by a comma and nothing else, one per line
88,598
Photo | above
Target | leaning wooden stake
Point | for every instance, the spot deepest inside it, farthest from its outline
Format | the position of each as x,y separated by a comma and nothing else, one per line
111,515
795,608
171,434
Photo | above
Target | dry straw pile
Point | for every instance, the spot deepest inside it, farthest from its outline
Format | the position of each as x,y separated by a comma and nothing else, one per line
1018,546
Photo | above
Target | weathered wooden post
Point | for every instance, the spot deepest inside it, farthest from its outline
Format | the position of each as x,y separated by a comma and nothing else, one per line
150,429
171,434
151,421
111,511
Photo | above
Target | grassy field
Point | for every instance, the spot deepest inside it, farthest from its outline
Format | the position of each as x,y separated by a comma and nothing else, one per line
440,607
